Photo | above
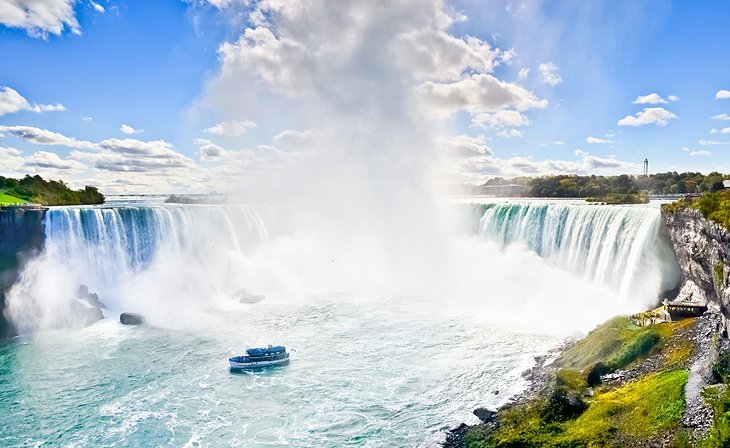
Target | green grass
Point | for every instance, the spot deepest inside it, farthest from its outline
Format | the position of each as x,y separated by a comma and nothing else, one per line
7,199
718,397
616,342
634,412
648,406
622,416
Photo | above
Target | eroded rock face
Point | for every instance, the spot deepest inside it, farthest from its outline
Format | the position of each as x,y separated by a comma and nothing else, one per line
702,248
21,237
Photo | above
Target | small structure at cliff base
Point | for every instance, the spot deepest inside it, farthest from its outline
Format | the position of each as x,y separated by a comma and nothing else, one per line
690,302
650,317
679,309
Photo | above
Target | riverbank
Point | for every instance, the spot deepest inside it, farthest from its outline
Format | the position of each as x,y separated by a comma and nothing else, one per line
622,385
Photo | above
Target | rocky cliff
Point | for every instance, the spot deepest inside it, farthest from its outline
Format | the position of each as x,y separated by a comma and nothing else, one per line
703,251
21,237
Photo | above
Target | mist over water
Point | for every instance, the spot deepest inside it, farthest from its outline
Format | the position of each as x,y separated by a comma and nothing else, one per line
173,262
390,347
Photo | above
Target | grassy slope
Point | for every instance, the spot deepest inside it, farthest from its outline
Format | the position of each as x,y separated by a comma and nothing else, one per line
7,199
615,416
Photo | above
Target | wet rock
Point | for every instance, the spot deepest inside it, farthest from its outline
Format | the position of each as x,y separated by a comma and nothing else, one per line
87,306
485,414
246,297
131,319
455,437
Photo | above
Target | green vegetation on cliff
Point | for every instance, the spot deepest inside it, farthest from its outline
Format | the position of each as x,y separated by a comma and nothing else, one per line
36,190
714,206
7,199
567,413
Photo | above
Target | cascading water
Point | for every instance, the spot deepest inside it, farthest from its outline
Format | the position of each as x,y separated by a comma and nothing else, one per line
392,343
137,257
620,246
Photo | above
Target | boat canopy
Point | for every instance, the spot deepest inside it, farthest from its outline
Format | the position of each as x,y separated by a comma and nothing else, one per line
264,351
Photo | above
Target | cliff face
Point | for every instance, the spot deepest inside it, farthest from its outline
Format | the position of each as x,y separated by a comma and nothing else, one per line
21,237
703,252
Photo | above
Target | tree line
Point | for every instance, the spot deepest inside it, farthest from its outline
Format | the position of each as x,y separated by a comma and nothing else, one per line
574,186
49,192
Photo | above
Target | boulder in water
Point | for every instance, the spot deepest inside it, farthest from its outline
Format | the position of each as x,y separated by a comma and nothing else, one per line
131,319
87,306
245,296
485,414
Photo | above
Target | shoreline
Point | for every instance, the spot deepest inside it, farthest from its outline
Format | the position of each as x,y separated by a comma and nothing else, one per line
697,418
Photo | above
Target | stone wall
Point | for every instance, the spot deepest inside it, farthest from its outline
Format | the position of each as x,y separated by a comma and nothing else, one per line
703,253
21,237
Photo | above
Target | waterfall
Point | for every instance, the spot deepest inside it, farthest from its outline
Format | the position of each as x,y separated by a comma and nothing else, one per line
619,246
139,258
174,263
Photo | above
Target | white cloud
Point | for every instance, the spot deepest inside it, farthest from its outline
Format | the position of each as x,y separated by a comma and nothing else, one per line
594,140
704,142
548,74
87,118
477,94
714,131
130,155
44,159
392,49
477,168
97,7
500,119
435,54
509,133
722,94
40,17
465,145
230,128
11,102
558,142
208,151
700,153
297,138
650,115
654,98
45,137
523,74
724,117
725,131
129,129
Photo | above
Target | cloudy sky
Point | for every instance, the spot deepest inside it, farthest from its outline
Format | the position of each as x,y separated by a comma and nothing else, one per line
189,96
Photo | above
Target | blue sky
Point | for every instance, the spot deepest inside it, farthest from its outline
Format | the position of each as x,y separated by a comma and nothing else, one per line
219,90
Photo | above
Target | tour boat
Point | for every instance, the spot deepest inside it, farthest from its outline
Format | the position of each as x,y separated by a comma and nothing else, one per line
272,355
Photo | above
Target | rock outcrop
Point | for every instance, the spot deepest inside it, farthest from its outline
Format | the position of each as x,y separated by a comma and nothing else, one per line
131,319
21,237
702,248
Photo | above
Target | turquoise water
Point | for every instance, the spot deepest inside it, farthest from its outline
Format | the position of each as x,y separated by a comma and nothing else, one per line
395,336
363,373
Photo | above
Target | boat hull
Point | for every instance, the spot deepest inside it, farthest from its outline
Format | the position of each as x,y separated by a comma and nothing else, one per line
257,364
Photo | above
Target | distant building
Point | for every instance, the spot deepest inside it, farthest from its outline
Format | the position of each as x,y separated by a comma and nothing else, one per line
726,183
